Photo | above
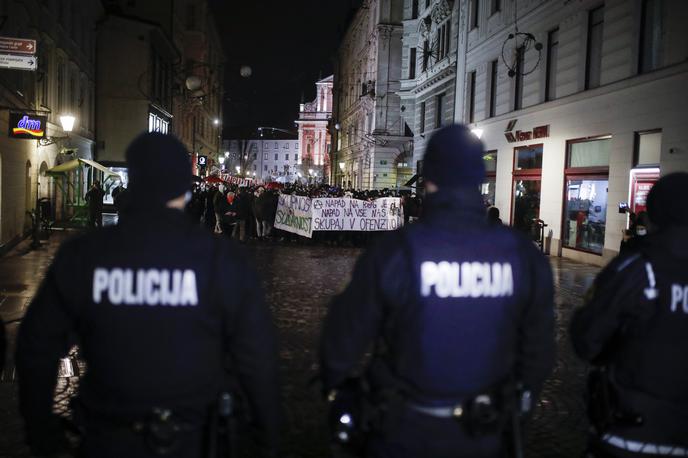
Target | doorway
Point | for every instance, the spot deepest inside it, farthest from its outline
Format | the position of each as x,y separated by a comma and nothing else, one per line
527,186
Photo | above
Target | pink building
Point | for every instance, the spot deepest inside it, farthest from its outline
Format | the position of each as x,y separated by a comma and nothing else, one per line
314,137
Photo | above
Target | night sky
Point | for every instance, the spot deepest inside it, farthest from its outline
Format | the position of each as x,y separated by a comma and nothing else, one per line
288,44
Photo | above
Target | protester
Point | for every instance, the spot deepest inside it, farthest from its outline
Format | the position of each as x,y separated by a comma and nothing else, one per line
634,240
634,329
162,341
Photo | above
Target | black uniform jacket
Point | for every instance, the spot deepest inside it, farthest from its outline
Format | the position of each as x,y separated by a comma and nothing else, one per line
643,338
163,311
438,296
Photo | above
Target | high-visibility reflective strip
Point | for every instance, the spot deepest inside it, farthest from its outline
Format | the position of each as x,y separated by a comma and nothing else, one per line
644,447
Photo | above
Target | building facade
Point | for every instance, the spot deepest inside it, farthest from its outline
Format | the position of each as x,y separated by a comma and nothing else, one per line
159,69
580,117
371,139
266,160
63,83
314,133
428,70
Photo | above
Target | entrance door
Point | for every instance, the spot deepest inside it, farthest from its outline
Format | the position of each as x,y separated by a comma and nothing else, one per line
527,174
526,202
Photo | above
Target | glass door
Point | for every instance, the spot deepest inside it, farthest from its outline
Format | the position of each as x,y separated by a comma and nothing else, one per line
527,175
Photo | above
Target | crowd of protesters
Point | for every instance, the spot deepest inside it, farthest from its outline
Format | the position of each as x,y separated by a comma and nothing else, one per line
248,212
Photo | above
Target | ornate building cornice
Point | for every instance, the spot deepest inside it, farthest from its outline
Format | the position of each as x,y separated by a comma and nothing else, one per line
442,10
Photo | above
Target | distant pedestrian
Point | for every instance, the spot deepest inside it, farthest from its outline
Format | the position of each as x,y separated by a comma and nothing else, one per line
634,329
94,198
632,242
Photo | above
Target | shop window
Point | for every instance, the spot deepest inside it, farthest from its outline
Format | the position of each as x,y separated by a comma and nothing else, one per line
529,158
586,191
488,187
648,147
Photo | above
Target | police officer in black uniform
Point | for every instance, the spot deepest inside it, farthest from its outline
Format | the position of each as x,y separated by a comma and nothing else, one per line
163,312
455,309
634,326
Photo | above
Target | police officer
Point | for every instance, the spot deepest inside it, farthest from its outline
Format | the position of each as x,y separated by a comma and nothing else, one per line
635,325
147,300
455,309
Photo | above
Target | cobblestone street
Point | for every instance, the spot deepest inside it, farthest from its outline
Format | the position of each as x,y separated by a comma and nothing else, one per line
299,282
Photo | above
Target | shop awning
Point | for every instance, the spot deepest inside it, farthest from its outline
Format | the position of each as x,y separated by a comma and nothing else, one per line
412,181
73,164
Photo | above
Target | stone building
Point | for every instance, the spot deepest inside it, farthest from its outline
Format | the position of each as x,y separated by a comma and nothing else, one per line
314,134
580,112
159,70
266,160
428,70
63,83
371,139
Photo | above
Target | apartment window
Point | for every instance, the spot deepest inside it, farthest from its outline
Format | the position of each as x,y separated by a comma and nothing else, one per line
276,157
412,63
60,86
518,78
286,157
593,63
296,146
651,30
45,64
426,54
265,168
414,9
552,56
427,4
296,158
475,7
422,117
471,97
586,187
443,39
276,145
648,147
495,6
439,108
493,88
265,156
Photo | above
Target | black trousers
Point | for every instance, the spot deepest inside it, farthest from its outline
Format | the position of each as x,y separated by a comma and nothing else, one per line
105,442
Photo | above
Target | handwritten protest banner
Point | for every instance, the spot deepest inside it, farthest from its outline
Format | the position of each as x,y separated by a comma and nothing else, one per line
383,214
294,215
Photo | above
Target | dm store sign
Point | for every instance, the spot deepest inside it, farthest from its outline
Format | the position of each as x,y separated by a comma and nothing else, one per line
27,126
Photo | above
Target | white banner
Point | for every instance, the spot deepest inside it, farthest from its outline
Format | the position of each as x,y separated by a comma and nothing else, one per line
339,214
294,215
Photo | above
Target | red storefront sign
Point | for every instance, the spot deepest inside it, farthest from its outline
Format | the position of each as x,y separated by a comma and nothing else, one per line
17,45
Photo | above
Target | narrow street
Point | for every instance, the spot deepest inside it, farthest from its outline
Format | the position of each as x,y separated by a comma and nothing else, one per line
299,282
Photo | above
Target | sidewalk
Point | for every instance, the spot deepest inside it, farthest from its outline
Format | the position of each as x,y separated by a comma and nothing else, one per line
21,272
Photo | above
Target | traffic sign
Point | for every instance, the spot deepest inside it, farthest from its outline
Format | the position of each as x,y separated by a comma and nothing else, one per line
18,62
17,45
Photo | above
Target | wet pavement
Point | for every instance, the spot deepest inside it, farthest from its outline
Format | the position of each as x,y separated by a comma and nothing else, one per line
299,282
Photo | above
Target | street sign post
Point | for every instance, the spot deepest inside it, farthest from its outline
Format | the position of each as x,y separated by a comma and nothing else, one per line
18,62
17,45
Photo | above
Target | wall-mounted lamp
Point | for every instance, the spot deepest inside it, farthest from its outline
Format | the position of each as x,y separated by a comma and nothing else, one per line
477,132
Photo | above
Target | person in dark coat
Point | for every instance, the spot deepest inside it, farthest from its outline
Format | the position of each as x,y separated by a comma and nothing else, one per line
633,328
493,215
161,338
94,197
454,310
641,226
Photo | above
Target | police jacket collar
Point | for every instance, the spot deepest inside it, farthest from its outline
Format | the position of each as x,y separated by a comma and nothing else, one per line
455,206
673,239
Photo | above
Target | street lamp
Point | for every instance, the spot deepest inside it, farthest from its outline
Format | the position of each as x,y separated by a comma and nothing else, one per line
67,121
238,169
477,132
